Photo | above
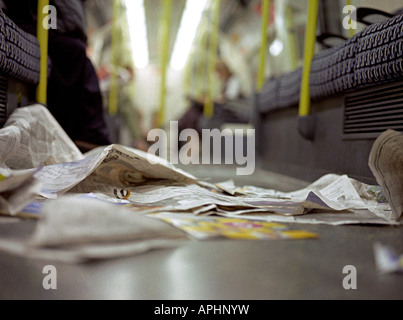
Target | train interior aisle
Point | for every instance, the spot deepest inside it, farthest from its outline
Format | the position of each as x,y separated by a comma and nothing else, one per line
201,150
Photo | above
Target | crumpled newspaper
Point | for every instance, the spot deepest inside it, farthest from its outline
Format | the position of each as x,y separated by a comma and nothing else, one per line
387,260
18,188
75,229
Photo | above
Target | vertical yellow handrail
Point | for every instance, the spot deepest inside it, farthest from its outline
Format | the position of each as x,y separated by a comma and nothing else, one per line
166,30
43,39
263,48
310,39
113,88
212,61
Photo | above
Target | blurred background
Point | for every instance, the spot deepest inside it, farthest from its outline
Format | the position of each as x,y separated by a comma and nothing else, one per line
160,51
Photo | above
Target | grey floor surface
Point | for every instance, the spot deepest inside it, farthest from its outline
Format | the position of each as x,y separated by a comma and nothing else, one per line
220,269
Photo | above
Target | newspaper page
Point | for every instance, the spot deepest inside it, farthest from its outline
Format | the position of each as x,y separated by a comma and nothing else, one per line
339,192
153,184
200,200
387,260
78,230
125,167
32,137
309,205
18,188
106,168
206,228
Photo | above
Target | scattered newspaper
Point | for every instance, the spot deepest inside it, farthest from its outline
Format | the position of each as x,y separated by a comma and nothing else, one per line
88,205
347,200
150,184
78,230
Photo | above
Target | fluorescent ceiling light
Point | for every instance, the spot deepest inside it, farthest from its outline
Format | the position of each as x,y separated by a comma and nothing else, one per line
187,31
138,32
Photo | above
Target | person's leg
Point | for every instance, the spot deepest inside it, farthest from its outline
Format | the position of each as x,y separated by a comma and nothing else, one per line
74,97
96,130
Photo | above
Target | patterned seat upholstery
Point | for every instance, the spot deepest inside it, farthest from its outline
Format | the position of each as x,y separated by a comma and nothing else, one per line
19,59
19,52
379,57
268,96
372,57
332,70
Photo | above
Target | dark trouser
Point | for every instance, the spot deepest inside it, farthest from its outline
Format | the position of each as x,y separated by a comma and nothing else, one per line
74,96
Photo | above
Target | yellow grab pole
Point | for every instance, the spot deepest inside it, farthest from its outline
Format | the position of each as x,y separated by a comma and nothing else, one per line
43,39
113,87
166,30
310,39
212,61
263,48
